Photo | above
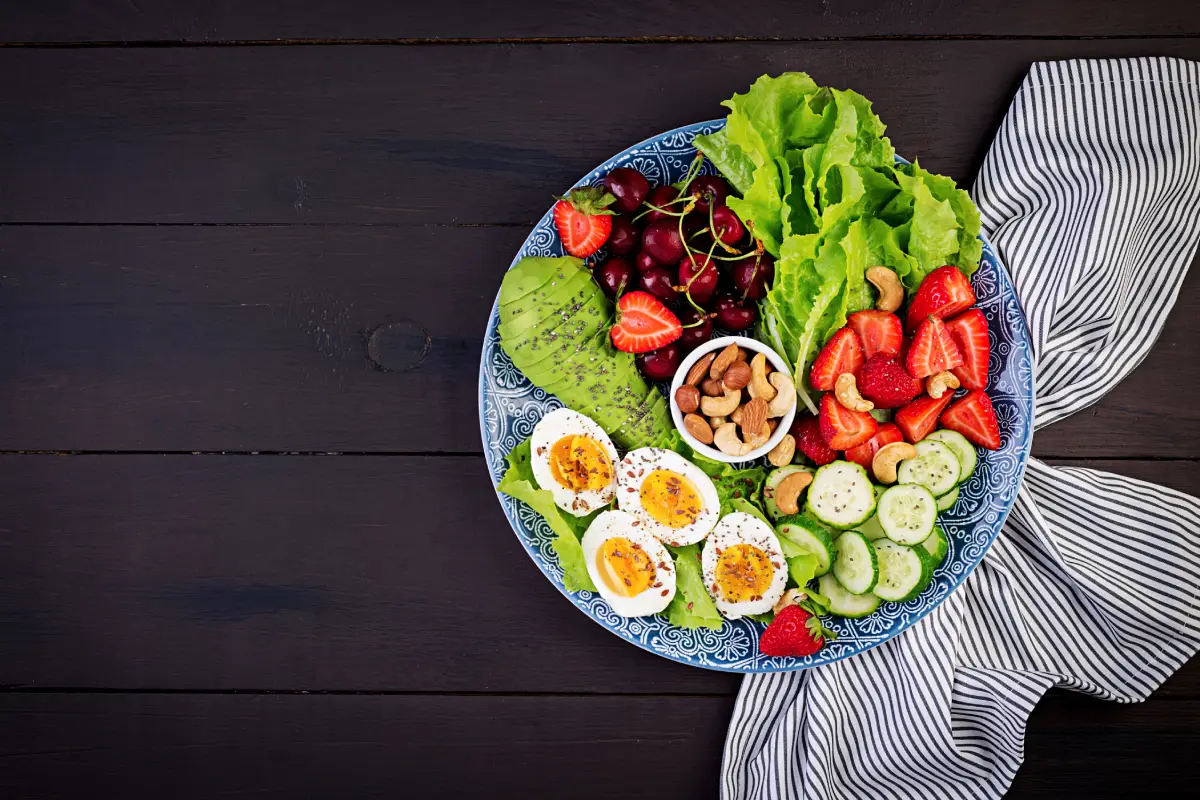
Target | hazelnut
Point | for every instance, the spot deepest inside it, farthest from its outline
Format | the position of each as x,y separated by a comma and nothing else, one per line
687,397
712,387
737,376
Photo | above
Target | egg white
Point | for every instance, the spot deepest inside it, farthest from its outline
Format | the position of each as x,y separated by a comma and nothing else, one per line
741,528
552,427
633,469
657,596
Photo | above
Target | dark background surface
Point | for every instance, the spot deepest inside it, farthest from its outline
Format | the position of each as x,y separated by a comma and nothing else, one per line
238,558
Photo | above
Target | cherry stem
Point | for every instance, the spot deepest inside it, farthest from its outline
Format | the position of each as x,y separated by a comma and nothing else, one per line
693,171
652,207
703,318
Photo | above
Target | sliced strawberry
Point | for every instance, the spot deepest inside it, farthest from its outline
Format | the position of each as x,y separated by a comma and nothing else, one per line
975,418
944,293
918,419
584,220
842,428
809,441
864,454
970,332
885,382
842,353
643,324
933,350
793,632
879,332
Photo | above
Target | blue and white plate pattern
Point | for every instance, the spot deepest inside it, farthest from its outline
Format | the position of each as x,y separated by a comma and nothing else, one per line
509,407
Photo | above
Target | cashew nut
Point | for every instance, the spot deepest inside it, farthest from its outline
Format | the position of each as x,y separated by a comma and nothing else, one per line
736,416
759,439
716,422
888,457
727,441
891,293
721,406
782,453
846,391
786,397
787,493
790,598
759,385
938,384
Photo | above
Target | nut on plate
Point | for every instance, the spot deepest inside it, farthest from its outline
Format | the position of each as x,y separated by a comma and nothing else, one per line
759,439
712,387
785,396
759,385
727,441
737,376
781,454
717,422
846,392
687,397
790,598
888,457
936,385
722,361
754,417
787,493
699,370
721,406
699,428
891,293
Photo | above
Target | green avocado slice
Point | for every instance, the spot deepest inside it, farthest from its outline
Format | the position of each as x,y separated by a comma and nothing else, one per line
641,431
580,323
530,274
566,357
608,389
545,304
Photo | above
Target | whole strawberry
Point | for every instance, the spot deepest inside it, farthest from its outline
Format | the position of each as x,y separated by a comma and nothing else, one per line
885,382
795,632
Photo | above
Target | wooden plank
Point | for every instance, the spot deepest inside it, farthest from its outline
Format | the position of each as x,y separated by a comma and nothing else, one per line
182,746
304,573
182,338
475,134
204,746
378,20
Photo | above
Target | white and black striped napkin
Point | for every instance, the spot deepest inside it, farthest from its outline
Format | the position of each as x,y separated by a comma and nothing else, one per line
1091,194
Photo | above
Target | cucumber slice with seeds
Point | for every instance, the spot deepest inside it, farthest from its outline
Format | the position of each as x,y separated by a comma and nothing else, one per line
937,545
856,567
810,535
907,513
903,571
841,495
964,451
935,467
947,501
772,483
843,603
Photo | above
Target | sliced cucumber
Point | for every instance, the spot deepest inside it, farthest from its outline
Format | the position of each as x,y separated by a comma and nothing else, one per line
843,603
935,467
947,501
772,483
872,529
841,495
856,568
907,513
812,536
903,571
937,545
964,451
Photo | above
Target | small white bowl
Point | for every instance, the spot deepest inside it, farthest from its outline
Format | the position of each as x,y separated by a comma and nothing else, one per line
708,451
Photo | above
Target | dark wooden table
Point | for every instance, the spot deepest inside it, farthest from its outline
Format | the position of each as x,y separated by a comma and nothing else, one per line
238,557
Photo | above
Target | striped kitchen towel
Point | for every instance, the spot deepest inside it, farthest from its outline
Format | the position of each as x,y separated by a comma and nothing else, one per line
1091,194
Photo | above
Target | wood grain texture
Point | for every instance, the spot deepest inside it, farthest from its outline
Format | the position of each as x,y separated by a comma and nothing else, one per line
304,573
471,134
220,20
183,338
594,748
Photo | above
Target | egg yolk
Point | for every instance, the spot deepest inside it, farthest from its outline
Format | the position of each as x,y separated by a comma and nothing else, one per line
580,464
671,498
744,573
624,566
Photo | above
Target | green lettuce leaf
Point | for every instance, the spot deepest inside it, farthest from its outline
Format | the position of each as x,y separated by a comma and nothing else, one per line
518,482
728,158
691,607
738,484
748,507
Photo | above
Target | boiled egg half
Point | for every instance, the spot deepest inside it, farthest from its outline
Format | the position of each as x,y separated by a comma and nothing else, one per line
743,565
574,460
674,500
631,569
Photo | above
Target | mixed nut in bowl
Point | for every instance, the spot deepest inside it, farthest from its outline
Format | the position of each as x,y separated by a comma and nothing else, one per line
733,400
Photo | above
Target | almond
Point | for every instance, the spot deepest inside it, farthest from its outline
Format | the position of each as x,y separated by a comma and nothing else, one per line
754,418
698,428
722,362
742,355
687,397
737,376
700,369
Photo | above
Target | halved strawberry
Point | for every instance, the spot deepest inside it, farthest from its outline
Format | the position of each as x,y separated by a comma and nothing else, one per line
970,332
864,454
975,418
842,353
842,428
932,351
944,293
879,332
885,382
584,220
643,324
809,441
918,419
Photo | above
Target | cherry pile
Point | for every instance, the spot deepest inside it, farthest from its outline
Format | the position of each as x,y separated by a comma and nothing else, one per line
686,247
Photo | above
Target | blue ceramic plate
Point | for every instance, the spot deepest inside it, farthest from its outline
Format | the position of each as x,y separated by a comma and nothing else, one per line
509,407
